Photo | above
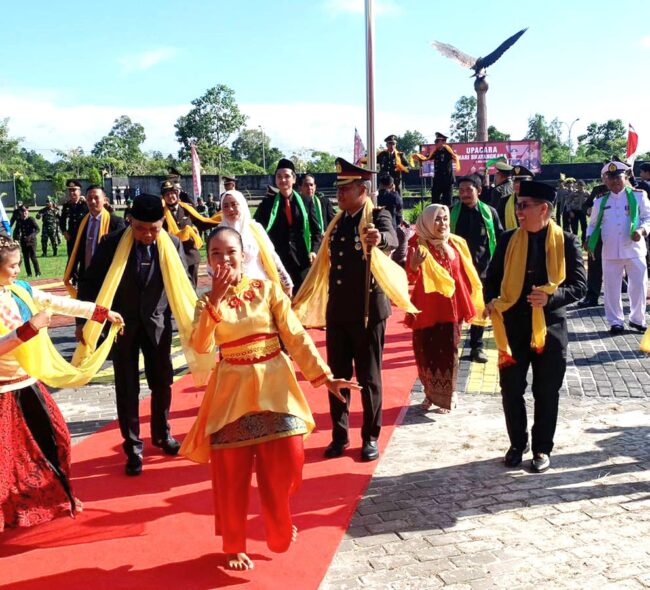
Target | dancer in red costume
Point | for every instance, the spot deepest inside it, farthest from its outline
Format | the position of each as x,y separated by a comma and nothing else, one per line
253,409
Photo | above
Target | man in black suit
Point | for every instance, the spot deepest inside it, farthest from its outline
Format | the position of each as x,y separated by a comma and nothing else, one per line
291,224
348,339
534,209
88,239
141,300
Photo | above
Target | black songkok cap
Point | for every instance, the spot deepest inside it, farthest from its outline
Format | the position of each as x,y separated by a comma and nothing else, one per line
147,208
537,190
285,163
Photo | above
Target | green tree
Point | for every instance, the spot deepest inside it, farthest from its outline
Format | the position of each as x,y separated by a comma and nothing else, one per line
410,142
95,177
550,137
603,141
11,160
213,119
321,162
76,163
463,120
24,189
495,135
58,181
248,146
121,150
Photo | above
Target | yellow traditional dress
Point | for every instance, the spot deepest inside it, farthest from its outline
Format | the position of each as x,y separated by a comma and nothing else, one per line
254,376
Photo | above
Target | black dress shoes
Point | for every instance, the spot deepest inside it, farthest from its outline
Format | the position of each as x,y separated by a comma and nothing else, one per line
369,451
638,327
588,303
478,356
514,456
540,462
617,329
169,446
335,449
133,465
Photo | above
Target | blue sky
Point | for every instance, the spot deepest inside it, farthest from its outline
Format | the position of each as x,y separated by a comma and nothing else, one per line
298,68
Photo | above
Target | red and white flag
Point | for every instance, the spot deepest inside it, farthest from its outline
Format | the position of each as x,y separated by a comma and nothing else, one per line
359,149
632,145
196,172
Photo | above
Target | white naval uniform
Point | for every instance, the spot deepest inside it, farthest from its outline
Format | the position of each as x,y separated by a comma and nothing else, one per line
621,253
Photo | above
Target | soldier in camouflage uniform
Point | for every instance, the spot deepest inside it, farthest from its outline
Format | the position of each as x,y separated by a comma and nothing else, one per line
50,218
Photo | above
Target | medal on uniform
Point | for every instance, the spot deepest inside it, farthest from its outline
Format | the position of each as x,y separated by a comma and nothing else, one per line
357,246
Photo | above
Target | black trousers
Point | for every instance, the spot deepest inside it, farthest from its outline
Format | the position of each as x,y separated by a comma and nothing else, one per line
29,255
595,273
579,219
548,373
159,373
441,191
349,344
476,337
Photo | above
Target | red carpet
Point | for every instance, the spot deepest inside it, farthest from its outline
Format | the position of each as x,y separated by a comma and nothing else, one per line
156,531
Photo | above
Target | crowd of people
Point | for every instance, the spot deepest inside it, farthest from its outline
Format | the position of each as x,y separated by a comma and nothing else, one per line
498,254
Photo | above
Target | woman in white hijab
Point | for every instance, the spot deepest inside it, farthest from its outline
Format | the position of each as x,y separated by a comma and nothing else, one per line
261,261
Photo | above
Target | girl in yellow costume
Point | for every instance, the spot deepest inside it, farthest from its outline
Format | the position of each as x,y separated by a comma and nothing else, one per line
253,409
35,443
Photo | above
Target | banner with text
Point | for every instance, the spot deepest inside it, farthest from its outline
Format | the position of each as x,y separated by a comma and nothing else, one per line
473,156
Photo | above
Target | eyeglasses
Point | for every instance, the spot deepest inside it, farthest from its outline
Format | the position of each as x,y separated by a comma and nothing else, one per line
521,206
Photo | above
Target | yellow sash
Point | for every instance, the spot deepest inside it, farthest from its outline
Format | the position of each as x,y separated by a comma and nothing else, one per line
513,281
310,303
189,232
511,217
180,293
40,359
267,258
104,222
436,278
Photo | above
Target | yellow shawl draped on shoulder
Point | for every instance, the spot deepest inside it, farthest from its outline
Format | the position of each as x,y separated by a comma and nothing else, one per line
310,303
514,271
40,359
104,222
189,232
436,278
180,293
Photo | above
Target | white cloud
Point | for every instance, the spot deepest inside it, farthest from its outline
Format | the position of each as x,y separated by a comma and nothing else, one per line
145,60
382,7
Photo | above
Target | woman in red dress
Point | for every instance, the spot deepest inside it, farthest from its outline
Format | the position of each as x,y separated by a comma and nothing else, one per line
34,438
446,287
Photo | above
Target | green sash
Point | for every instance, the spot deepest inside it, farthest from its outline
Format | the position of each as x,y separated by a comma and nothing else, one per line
486,214
318,208
633,206
303,211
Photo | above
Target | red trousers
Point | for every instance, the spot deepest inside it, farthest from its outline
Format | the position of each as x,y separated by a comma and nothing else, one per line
278,464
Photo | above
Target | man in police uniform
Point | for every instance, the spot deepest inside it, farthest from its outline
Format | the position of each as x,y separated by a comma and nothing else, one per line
291,224
171,195
444,162
468,220
392,162
621,218
72,212
534,210
49,216
503,189
348,340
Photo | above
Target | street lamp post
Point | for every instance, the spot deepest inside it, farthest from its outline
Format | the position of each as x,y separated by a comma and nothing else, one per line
570,128
263,152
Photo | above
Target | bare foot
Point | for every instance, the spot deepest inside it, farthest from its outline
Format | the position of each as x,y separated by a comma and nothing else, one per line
239,561
294,533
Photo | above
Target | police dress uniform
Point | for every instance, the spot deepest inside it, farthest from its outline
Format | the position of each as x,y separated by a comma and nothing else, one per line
392,163
549,365
71,216
443,170
25,233
620,253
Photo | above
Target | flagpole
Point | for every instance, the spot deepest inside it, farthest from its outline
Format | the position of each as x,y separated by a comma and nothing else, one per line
370,92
